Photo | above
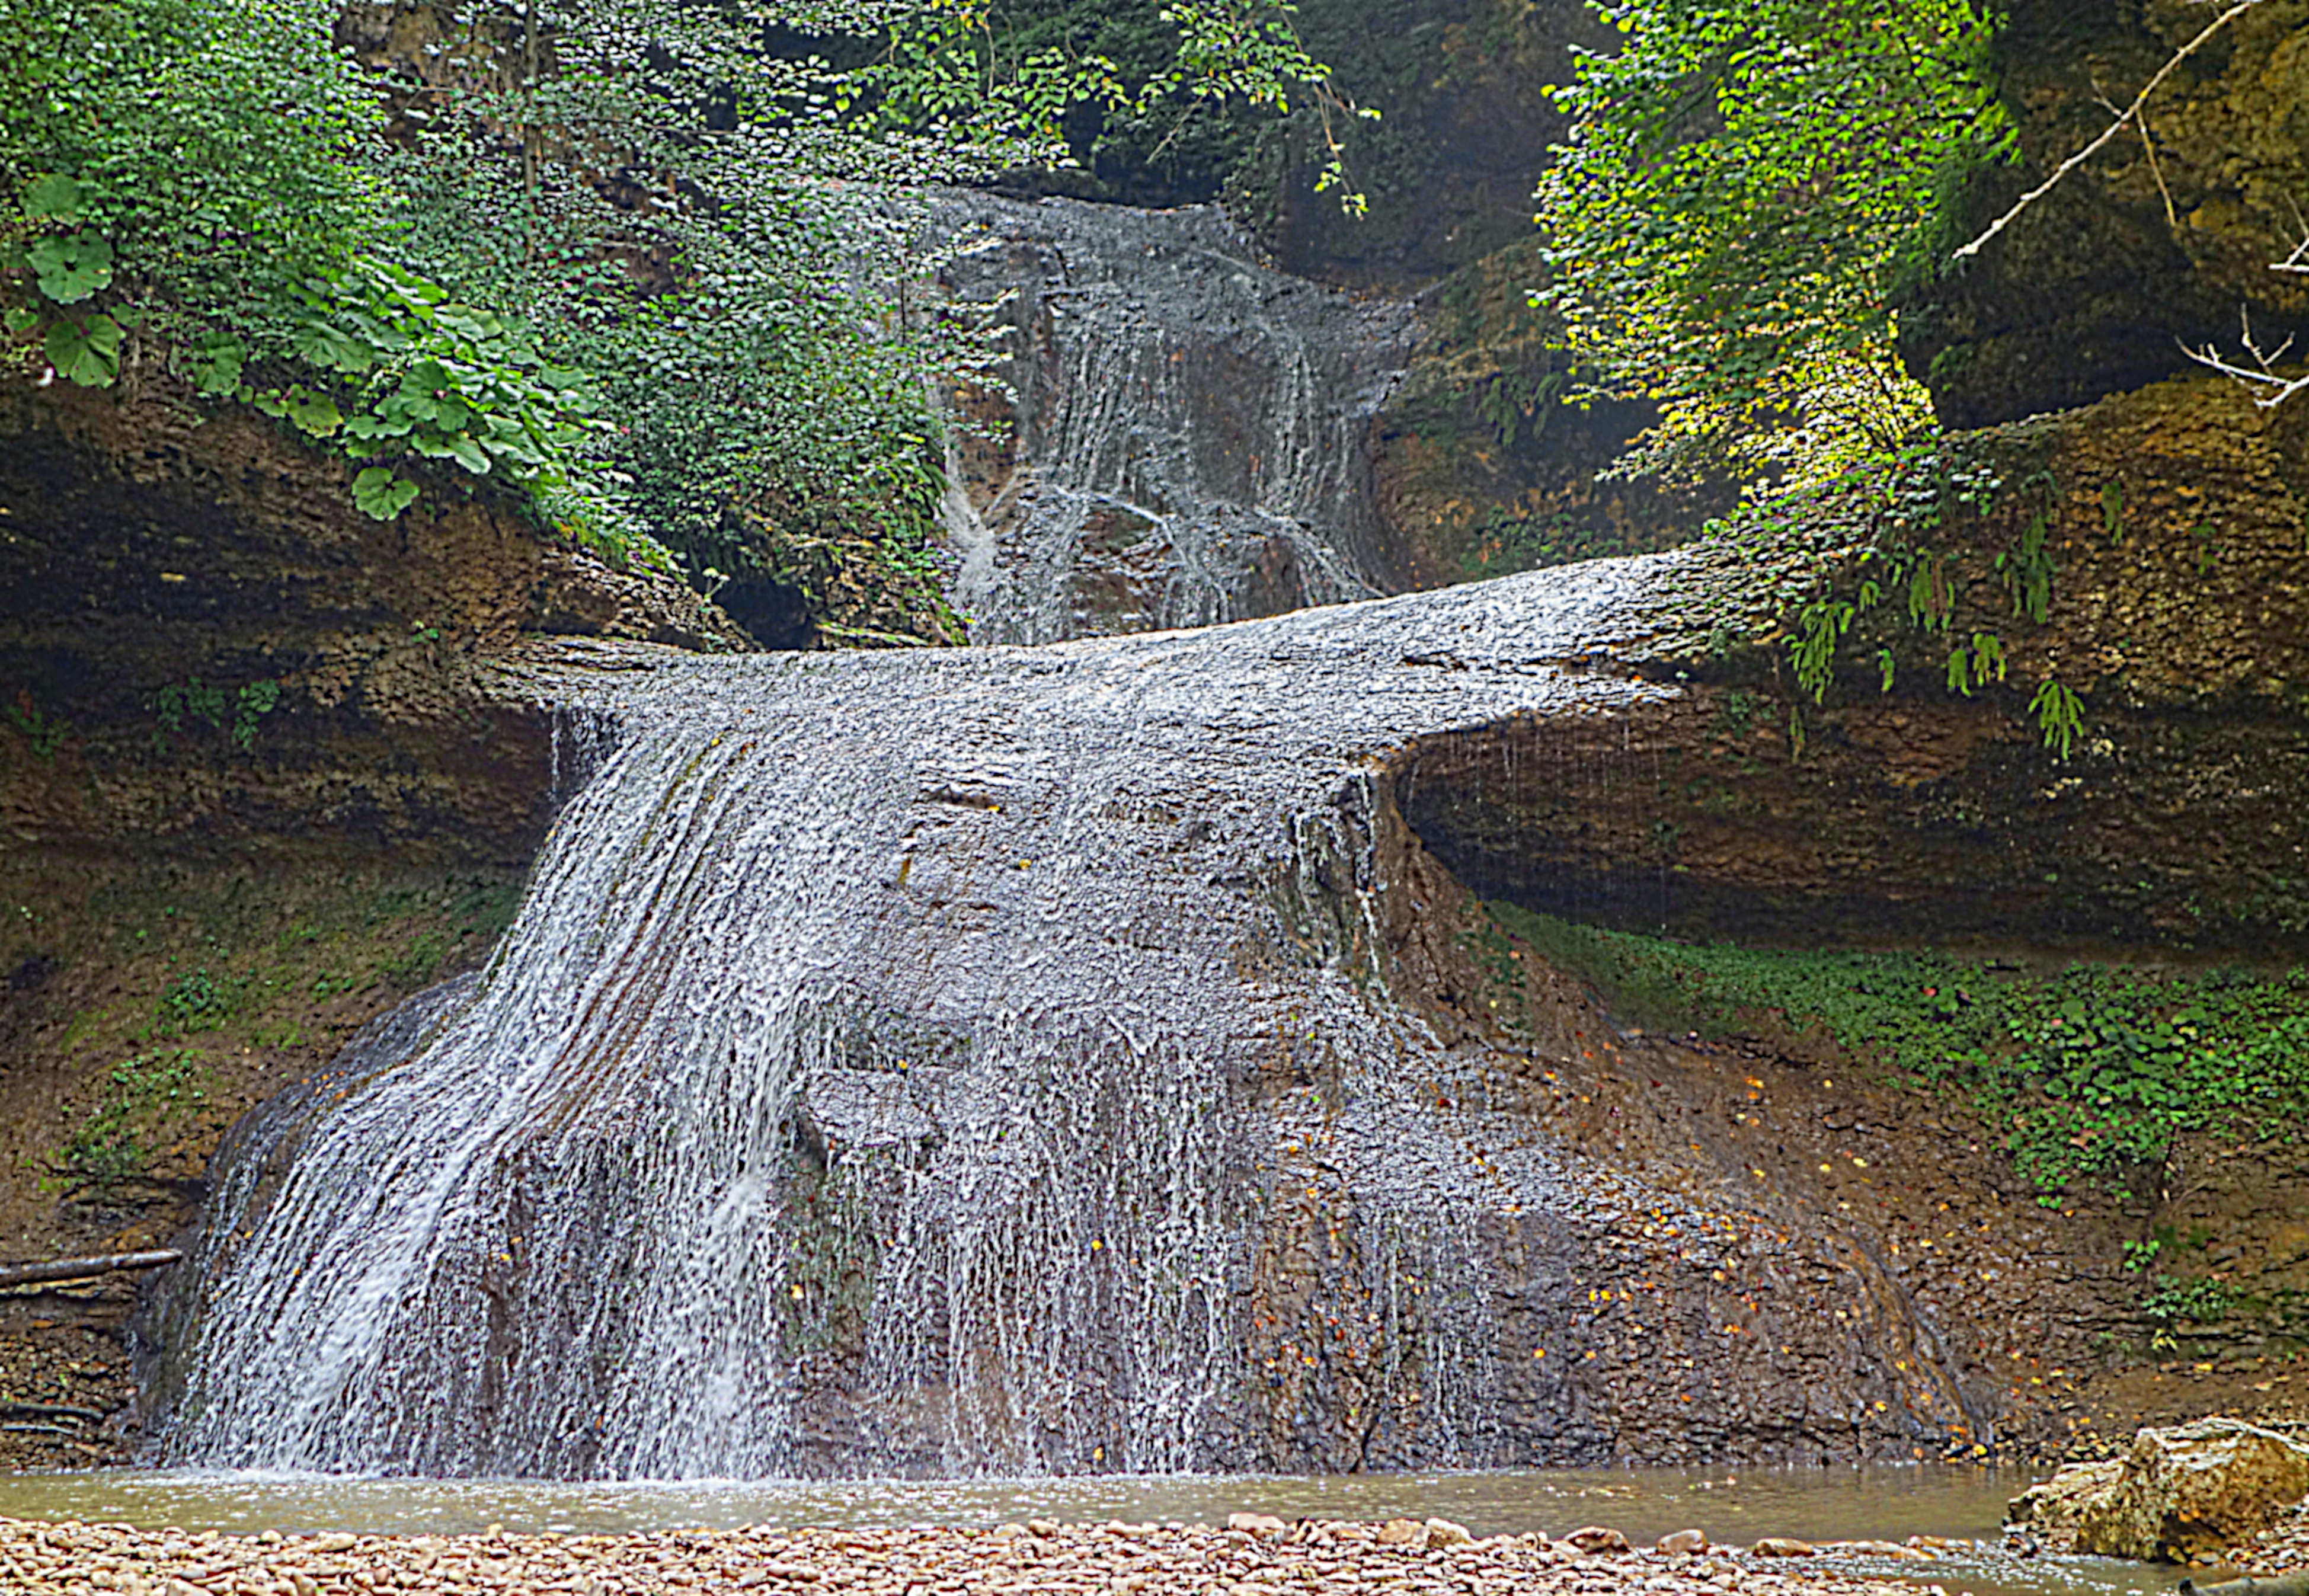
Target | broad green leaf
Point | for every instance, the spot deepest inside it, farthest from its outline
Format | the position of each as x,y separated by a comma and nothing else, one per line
215,364
55,198
468,453
89,352
71,268
315,413
331,346
380,494
367,426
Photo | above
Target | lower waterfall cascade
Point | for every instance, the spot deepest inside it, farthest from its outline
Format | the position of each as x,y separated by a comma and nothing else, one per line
974,1062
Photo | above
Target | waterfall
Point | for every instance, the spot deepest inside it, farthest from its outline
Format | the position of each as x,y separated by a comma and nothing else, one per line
937,1063
986,1061
1186,442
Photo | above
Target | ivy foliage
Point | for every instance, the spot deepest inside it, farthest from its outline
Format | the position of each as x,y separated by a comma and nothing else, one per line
1743,190
2089,1070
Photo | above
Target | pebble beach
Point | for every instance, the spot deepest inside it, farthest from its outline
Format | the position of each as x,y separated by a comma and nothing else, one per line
1253,1555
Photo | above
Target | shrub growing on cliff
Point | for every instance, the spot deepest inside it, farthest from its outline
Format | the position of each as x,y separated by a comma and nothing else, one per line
197,183
143,200
1154,93
1743,186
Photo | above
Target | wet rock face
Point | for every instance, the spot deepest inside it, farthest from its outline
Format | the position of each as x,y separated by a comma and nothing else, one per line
1483,469
1066,1060
1920,814
205,641
1449,167
2160,240
1194,437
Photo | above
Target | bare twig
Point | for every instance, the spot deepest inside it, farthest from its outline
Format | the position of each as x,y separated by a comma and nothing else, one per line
2113,128
2269,387
2147,148
2298,261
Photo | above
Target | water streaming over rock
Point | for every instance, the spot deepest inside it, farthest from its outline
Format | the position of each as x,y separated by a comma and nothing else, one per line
991,1061
1188,443
905,1028
960,1062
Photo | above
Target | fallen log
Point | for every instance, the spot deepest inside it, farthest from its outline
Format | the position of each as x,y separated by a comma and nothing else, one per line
80,1269
2283,1585
51,1411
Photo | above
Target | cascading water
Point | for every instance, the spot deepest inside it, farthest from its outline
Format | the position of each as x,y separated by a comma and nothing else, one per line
984,1061
1187,440
883,1074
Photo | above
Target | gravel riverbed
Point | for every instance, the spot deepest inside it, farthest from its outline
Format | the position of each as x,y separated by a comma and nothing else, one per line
1251,1558
2281,1549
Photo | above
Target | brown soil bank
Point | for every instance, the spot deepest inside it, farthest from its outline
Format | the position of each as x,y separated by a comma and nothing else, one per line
253,790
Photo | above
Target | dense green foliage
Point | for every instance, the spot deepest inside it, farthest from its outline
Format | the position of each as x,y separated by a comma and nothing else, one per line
149,217
1151,96
2089,1069
1744,188
650,261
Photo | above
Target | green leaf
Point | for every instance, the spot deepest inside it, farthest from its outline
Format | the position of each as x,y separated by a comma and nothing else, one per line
71,268
89,352
21,319
55,198
380,494
315,413
332,347
214,365
468,453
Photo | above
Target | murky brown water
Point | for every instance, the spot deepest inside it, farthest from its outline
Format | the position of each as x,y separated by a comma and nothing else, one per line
1732,1506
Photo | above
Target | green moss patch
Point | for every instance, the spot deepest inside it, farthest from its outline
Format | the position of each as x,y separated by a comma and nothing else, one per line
2092,1070
155,1003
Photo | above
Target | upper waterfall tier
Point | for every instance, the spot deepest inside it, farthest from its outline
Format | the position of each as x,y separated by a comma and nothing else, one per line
1186,438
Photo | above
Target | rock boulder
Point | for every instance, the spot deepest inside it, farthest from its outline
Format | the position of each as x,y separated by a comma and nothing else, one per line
2050,1509
2196,1487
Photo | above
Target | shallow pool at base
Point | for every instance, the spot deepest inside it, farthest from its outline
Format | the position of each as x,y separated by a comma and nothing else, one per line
1731,1506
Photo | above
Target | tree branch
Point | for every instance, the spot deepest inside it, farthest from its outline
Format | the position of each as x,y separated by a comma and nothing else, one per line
82,1269
2113,128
